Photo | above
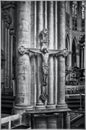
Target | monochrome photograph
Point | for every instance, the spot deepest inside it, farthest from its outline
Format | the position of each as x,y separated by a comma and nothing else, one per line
43,64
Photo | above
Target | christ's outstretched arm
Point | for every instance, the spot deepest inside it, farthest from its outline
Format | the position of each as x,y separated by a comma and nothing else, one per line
63,52
53,52
22,50
34,51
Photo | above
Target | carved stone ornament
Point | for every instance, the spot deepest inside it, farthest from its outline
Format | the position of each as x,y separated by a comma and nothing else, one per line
65,52
44,36
21,50
6,17
82,38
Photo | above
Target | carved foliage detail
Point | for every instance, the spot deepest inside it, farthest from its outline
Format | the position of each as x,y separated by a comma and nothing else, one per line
6,17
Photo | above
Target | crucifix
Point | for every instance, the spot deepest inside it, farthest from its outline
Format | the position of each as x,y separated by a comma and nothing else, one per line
45,54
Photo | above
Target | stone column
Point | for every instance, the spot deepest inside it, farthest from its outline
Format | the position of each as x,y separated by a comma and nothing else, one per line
33,57
11,58
77,56
11,41
40,24
6,18
45,23
51,60
61,59
85,40
56,47
79,28
6,76
2,36
8,49
23,68
79,19
70,56
35,45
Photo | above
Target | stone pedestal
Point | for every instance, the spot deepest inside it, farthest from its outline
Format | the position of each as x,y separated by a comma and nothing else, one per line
49,119
40,122
52,121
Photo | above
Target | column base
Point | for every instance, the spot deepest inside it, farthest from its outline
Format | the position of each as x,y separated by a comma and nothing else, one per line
39,107
62,106
52,106
21,109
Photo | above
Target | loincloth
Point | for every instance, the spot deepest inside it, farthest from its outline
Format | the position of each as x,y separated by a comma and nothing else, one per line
45,69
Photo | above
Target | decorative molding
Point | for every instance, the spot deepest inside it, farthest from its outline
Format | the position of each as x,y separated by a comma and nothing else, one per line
8,4
22,50
7,18
75,76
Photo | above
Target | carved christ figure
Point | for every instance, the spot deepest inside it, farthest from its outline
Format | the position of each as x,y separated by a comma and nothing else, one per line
45,53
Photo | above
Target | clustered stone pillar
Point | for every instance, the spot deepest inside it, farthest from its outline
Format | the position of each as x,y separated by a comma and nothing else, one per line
51,61
34,45
32,18
23,69
61,59
56,47
85,40
70,64
40,23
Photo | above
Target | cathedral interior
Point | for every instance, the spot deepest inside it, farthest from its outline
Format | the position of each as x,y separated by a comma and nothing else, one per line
43,64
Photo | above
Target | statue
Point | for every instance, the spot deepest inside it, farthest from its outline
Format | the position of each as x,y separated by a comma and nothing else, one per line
45,53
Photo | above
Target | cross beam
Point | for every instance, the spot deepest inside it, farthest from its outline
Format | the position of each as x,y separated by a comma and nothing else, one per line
64,52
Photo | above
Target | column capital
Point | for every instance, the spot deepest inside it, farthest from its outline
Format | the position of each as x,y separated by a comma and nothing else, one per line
7,18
